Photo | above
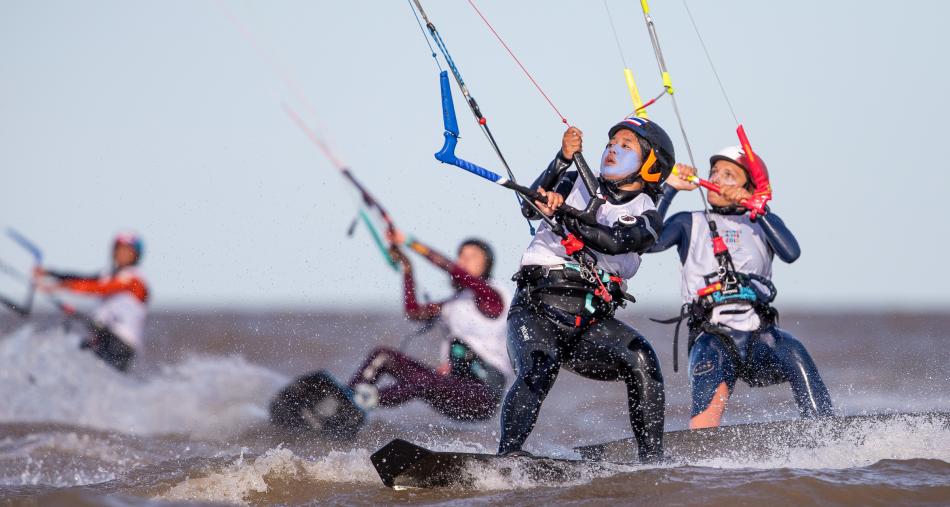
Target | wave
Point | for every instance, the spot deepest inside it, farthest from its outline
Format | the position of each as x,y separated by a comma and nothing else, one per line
278,480
45,377
830,444
278,475
891,452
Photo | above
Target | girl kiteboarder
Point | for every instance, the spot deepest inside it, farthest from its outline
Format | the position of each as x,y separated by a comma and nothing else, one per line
561,316
466,386
475,367
733,332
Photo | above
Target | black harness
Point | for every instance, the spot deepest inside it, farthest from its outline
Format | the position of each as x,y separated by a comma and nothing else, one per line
567,294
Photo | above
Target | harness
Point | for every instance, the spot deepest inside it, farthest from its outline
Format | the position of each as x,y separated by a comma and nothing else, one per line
729,287
571,293
465,363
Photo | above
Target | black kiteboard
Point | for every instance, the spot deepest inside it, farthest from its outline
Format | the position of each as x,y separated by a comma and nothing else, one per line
754,439
317,403
401,464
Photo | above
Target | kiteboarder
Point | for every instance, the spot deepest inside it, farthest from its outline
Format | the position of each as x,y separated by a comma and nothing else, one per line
469,383
563,314
735,337
117,325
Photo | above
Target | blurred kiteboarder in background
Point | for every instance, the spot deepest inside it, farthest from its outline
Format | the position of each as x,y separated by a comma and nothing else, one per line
468,384
117,325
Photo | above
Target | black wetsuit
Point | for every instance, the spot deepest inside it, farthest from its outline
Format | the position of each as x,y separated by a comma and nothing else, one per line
550,326
766,356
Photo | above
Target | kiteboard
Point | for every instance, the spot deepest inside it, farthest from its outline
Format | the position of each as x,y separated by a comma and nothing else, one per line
402,465
757,439
317,403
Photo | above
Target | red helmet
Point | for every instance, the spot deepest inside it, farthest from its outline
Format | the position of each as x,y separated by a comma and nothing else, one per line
736,155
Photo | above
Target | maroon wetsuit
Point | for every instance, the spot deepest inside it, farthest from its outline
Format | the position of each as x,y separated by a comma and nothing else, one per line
471,389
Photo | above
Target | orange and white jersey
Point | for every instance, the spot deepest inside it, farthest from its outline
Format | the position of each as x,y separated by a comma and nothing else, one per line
124,297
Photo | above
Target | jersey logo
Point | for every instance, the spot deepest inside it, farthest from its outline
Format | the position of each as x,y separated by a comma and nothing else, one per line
731,237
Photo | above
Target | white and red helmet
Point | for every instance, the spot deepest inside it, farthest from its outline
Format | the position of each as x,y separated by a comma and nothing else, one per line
736,155
131,239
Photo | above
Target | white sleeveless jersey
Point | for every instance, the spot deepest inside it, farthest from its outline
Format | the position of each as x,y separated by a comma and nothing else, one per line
750,253
485,336
123,313
546,249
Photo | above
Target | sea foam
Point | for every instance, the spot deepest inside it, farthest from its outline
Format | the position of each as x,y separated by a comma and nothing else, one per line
45,377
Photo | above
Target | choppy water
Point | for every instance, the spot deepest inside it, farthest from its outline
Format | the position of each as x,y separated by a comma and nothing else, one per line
189,426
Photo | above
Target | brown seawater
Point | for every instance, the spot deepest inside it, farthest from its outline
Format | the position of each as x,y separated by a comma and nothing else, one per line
189,426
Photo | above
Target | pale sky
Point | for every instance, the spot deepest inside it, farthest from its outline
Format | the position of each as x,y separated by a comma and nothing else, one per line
162,117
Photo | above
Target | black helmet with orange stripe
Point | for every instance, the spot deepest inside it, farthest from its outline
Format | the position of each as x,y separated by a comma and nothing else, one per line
658,156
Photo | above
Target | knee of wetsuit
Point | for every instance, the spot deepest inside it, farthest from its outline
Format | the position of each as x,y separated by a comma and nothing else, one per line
806,379
642,360
541,373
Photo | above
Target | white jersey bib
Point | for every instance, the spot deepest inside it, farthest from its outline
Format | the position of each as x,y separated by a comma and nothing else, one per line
123,313
545,248
750,253
485,336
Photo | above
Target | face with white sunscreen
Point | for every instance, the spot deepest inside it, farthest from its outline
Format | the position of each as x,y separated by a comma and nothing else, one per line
622,157
725,174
